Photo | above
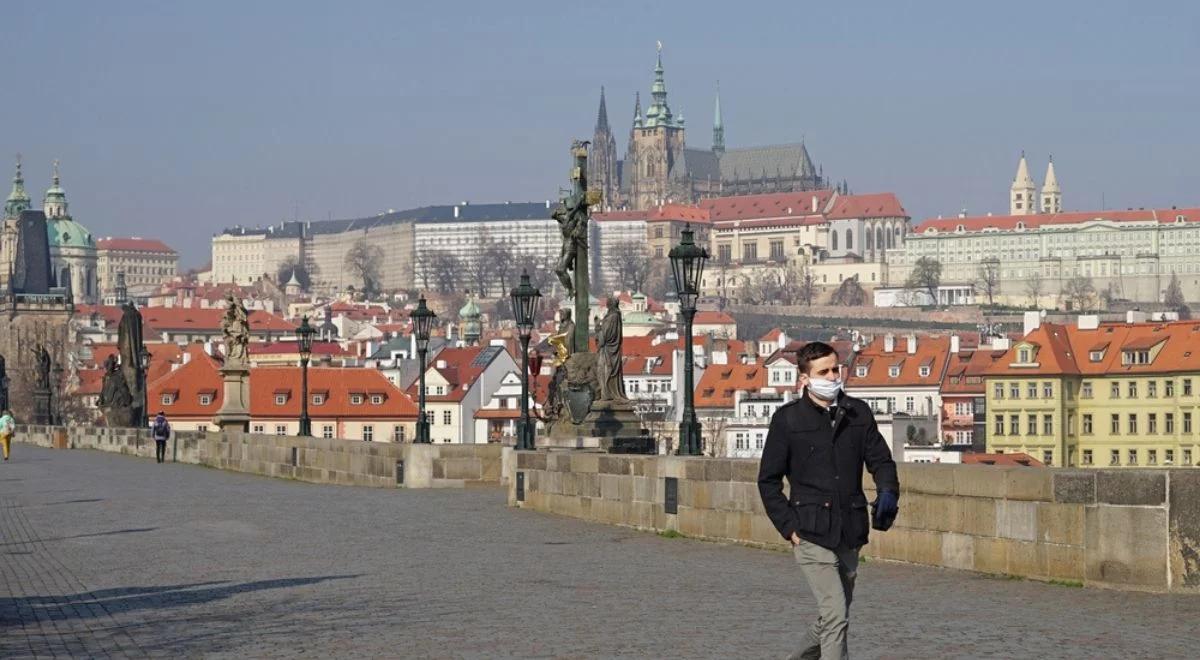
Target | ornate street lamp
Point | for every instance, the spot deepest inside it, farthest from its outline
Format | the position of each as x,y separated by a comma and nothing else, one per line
143,369
687,265
525,302
304,336
422,320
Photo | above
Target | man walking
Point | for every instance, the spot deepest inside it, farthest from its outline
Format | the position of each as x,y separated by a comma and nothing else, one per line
161,431
8,428
820,442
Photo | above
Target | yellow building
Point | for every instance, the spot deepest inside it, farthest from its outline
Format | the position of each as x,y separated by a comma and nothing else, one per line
1099,395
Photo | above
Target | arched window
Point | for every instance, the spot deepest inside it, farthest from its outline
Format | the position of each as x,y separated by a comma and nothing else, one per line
870,239
879,237
849,239
64,277
834,244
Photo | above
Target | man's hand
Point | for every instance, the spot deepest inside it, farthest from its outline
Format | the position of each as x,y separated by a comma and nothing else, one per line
886,506
795,538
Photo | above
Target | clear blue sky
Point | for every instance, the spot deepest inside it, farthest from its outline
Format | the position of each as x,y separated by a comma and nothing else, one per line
177,119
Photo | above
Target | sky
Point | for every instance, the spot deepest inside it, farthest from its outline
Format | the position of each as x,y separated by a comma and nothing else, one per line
175,120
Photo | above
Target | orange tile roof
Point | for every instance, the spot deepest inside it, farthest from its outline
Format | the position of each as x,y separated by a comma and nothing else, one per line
966,366
663,213
931,351
134,245
720,381
461,369
1054,355
710,317
1010,222
293,347
769,205
875,205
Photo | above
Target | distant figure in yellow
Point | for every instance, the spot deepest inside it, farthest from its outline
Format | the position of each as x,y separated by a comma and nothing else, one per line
8,428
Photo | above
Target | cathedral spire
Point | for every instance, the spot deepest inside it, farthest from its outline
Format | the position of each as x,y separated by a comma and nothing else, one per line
718,145
637,109
602,115
659,113
1023,194
18,200
1051,193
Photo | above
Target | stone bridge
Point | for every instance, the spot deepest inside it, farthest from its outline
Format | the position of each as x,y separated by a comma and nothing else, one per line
103,554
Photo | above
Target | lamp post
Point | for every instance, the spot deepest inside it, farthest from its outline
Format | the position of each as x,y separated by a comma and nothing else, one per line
304,337
422,320
143,368
525,302
58,391
687,265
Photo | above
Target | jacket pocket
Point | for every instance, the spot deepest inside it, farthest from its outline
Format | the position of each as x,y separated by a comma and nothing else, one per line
858,522
813,513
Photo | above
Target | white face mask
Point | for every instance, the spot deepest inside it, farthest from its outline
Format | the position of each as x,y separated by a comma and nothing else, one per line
825,390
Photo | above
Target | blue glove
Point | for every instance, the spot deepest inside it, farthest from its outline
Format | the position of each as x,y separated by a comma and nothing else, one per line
884,510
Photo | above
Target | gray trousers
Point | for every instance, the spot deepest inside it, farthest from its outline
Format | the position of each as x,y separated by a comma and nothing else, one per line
830,575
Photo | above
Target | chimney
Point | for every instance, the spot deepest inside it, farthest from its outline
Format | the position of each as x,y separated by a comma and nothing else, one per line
1135,316
455,211
1033,321
912,344
1088,321
954,344
814,203
889,343
441,364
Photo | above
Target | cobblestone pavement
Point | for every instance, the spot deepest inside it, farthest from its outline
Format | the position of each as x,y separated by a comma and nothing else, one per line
104,555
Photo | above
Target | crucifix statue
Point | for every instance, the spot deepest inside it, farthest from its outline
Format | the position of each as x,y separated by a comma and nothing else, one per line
572,216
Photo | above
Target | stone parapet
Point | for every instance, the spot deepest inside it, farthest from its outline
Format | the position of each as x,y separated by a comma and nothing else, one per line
318,460
1126,529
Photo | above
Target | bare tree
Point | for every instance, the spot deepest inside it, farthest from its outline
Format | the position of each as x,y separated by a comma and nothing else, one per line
631,263
926,276
1033,288
444,268
1080,293
477,268
658,280
723,270
364,260
1173,298
849,294
806,292
1110,295
715,444
501,254
987,276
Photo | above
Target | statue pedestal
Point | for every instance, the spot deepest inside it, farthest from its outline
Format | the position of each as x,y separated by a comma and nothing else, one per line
41,407
606,419
234,414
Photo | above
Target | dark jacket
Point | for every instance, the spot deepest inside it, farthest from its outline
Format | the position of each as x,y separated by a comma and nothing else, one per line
822,457
160,429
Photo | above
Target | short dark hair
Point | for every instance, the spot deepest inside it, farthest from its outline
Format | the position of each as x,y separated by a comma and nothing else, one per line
813,350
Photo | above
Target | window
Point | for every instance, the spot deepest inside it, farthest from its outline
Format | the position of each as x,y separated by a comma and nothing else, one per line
1168,388
1047,390
1151,457
1096,356
327,431
998,424
724,253
356,399
1133,389
1087,456
860,371
1168,456
1132,457
167,399
1187,422
318,399
1085,390
1087,424
963,408
924,371
1187,456
750,251
280,399
1135,357
1014,425
1187,386
1152,423
1132,423
1116,425
909,404
203,428
894,371
1023,356
376,399
758,441
1114,457
398,433
205,399
1014,390
1048,457
446,417
1152,389
259,428
1047,424
1115,392
1169,423
1031,425
1031,390
777,250
998,391
368,433
280,429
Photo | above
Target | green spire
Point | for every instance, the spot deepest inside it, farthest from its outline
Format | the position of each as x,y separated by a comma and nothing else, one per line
659,113
718,126
55,202
637,110
17,200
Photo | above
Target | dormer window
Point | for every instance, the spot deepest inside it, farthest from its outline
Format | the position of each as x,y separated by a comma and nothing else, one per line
860,372
376,399
205,399
1096,356
356,399
1135,357
960,229
318,399
1023,356
924,371
168,399
894,371
280,399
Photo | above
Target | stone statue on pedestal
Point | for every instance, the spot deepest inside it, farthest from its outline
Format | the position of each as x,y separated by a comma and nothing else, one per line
115,398
611,376
235,325
235,413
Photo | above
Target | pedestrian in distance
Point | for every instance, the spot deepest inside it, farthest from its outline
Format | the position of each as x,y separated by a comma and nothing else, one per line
8,428
161,430
820,442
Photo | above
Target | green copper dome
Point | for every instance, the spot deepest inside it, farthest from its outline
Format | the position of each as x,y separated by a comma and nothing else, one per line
65,232
469,310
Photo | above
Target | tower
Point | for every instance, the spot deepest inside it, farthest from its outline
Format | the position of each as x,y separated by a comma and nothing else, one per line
54,204
718,145
1023,194
1051,194
602,162
656,142
17,199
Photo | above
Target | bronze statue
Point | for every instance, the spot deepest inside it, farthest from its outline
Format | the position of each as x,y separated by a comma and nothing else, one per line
130,345
235,325
572,218
608,364
563,341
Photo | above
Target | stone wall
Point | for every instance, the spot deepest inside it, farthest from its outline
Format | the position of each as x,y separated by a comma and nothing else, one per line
1126,529
318,460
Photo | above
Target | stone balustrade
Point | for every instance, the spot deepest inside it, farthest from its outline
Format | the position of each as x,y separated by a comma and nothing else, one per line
1129,529
318,460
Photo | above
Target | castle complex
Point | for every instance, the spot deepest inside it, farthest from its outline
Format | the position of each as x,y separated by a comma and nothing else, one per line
659,168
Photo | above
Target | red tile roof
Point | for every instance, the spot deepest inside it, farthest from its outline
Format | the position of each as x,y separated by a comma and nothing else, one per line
720,381
965,371
931,351
290,347
663,213
875,205
1174,347
711,317
134,245
462,368
770,205
1010,222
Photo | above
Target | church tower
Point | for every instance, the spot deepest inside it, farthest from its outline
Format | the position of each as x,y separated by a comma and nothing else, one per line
1023,194
54,204
1051,194
602,161
655,145
18,200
